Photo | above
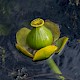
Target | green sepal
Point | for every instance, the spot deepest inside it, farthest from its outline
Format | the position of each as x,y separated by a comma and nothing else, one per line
45,52
54,29
21,36
24,51
60,43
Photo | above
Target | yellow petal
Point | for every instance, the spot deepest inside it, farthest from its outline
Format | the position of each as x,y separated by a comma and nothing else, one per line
45,52
24,51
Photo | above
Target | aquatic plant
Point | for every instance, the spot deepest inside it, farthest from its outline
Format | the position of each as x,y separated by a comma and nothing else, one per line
44,40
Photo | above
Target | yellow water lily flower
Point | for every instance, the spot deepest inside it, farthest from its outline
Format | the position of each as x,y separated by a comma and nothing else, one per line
44,37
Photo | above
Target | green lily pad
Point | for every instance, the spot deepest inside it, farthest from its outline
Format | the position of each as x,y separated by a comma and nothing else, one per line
54,28
61,43
21,36
45,52
3,30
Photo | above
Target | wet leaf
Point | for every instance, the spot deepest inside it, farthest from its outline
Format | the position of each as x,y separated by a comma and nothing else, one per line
24,51
61,43
3,30
21,36
45,52
54,28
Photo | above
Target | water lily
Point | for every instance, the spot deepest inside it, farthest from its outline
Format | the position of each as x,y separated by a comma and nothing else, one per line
44,39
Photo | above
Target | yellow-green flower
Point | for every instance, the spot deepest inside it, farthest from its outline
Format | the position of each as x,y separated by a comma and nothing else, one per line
44,38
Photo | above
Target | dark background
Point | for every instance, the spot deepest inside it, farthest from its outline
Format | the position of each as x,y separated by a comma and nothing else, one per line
15,14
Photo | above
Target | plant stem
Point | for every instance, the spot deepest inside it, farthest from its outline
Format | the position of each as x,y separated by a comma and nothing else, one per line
55,68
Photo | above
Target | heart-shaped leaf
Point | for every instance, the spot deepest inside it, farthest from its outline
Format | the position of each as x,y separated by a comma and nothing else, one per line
24,51
21,36
45,52
61,43
54,28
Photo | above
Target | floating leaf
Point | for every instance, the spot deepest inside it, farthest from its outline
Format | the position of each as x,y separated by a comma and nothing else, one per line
3,30
61,43
54,28
45,52
24,51
21,36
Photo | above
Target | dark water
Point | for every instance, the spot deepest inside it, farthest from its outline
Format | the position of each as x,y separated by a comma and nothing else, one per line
15,14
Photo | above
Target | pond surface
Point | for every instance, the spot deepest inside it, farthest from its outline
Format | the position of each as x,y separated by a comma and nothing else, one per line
15,14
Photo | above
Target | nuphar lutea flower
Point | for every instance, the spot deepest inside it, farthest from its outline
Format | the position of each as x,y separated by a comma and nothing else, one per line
44,38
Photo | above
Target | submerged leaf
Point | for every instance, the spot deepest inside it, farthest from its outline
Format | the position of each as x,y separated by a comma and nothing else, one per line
45,52
21,36
54,28
24,51
61,43
3,30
